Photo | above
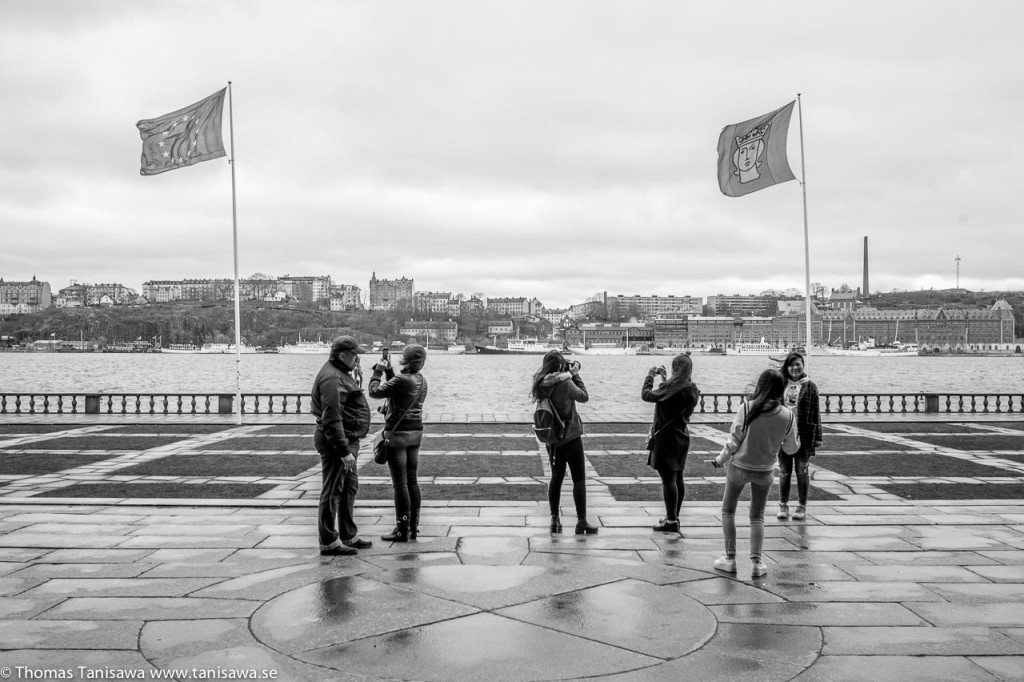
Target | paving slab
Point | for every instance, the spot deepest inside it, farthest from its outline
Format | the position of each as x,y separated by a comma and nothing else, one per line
918,641
903,668
870,582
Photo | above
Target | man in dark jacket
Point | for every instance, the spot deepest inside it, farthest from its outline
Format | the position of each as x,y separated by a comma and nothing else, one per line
342,418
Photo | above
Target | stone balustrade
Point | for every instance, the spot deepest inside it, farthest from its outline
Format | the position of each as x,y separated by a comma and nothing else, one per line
298,403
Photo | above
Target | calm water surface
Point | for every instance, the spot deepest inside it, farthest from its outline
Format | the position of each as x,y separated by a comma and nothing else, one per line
493,383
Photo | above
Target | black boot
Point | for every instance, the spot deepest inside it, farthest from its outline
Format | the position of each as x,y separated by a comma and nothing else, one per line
584,527
556,524
401,531
414,524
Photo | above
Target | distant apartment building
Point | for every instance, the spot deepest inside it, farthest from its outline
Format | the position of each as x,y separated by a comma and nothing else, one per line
386,294
586,310
844,300
671,329
648,306
306,289
161,291
736,304
619,334
711,331
514,306
437,302
753,329
84,294
345,297
554,315
24,297
428,332
499,327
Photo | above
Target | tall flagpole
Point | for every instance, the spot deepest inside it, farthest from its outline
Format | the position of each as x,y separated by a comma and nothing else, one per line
234,233
807,241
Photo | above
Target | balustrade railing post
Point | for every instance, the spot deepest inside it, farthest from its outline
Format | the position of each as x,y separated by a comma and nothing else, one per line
931,402
225,404
92,404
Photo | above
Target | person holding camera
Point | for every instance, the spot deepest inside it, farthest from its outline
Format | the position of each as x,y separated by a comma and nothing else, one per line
559,381
342,418
761,428
669,443
403,421
800,396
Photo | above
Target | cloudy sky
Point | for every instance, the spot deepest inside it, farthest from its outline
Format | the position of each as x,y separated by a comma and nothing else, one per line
549,149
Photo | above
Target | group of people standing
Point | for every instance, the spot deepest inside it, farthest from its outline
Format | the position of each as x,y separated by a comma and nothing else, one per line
779,426
343,419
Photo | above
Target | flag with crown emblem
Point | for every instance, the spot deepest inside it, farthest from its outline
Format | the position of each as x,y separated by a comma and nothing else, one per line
752,154
184,137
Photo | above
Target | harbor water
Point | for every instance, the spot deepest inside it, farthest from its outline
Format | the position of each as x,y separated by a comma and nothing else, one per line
494,383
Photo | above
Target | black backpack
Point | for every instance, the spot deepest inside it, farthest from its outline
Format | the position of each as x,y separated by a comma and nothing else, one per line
547,425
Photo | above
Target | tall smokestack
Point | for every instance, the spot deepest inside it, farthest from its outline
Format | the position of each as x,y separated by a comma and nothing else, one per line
867,292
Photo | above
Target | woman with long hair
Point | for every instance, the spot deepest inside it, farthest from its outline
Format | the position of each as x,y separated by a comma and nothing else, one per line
559,381
761,427
403,420
674,401
800,396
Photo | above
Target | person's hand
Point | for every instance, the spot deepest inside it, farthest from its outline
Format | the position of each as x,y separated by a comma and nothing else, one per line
661,370
382,366
574,367
653,370
348,463
715,463
817,444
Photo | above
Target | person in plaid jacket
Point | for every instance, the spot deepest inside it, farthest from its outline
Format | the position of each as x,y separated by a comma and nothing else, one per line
801,396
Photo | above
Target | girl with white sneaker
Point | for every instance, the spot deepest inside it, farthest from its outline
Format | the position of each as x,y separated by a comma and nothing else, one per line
761,427
800,396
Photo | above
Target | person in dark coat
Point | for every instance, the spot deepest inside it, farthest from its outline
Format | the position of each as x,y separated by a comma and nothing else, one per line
800,396
559,381
406,393
342,418
674,401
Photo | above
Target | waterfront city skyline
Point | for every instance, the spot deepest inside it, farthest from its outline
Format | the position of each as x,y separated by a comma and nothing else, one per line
516,149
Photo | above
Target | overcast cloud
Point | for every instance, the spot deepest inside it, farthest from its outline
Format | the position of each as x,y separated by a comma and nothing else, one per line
548,149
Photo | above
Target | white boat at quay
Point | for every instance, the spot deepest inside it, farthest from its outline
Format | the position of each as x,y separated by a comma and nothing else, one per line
605,349
679,350
206,349
305,348
762,348
528,346
868,349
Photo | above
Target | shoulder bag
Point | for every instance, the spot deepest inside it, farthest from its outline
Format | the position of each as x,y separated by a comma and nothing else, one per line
651,433
382,438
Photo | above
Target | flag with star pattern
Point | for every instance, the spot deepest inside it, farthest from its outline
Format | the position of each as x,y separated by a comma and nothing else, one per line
184,137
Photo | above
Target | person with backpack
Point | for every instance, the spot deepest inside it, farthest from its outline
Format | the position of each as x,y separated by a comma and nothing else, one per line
674,401
761,428
558,384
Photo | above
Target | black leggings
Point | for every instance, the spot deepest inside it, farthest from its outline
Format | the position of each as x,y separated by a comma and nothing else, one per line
786,465
560,456
403,463
673,489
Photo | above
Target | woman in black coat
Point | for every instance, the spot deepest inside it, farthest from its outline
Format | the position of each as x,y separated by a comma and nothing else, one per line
674,401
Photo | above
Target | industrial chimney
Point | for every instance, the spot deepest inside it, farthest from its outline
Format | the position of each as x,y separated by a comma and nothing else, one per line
867,292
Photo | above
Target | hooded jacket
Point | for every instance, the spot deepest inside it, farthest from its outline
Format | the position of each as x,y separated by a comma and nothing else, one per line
564,390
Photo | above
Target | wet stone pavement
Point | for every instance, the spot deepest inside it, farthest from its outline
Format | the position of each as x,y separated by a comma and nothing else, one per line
870,586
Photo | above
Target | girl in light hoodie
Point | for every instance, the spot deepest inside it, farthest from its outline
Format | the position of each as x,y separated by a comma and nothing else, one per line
761,427
559,381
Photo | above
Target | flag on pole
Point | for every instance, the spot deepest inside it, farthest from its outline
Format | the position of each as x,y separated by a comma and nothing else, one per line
184,137
752,154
